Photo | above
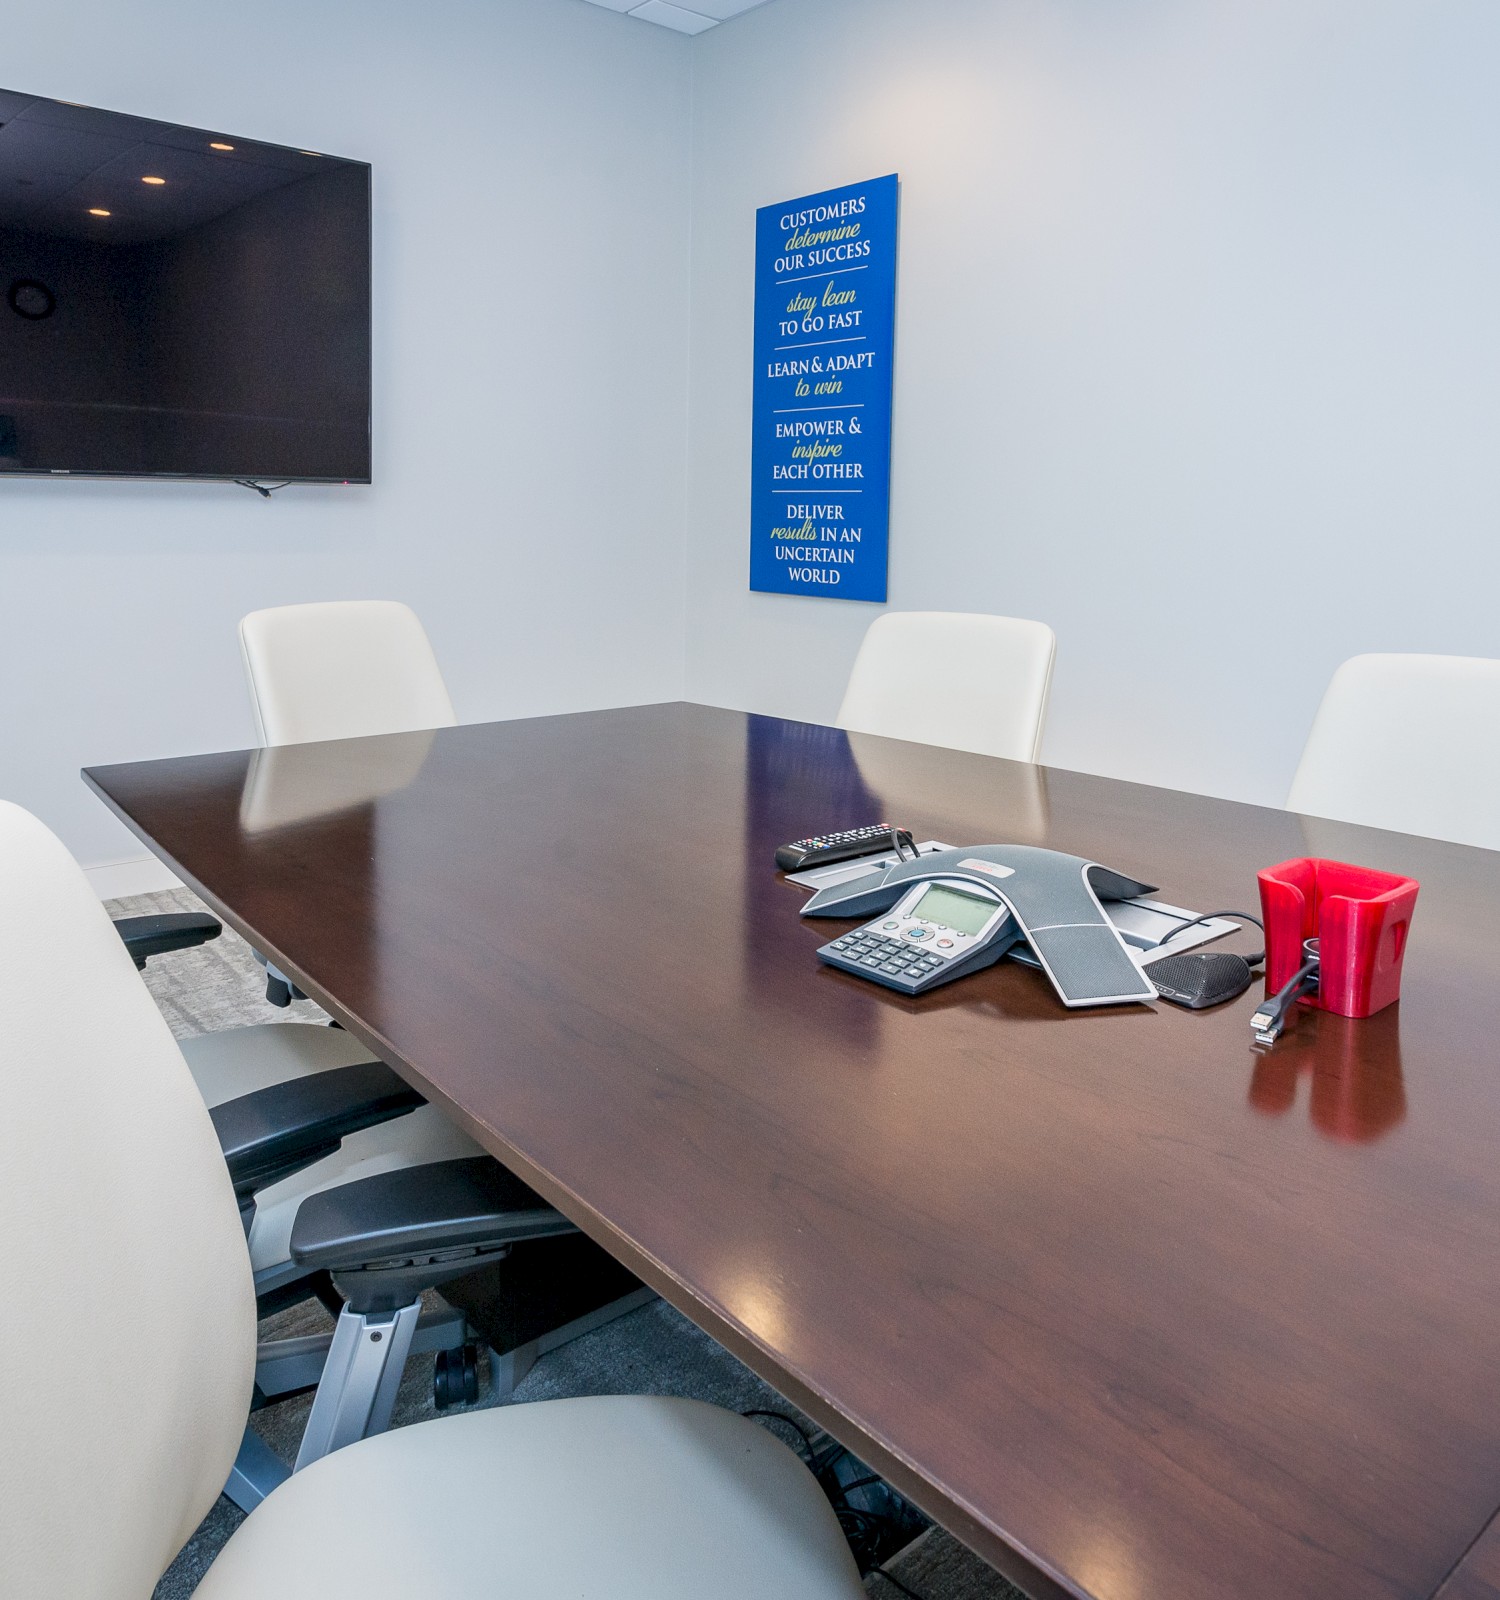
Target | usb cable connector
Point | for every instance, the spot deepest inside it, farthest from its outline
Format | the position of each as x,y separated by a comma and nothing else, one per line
1268,1022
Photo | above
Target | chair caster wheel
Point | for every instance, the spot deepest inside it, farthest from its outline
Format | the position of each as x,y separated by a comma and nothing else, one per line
455,1377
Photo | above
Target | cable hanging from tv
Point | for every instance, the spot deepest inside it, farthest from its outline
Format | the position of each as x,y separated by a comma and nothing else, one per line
264,490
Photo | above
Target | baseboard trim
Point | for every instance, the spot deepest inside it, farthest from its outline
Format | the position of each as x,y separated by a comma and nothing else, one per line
114,880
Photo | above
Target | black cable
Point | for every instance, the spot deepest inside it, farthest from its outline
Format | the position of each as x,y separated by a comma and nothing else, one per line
1208,916
861,1528
1269,1021
890,1578
264,490
861,1531
900,836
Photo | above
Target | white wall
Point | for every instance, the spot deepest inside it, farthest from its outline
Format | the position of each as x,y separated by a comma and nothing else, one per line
531,164
1198,348
1199,359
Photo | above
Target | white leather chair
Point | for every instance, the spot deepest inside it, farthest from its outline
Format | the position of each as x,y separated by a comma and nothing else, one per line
341,669
959,679
1410,743
119,1215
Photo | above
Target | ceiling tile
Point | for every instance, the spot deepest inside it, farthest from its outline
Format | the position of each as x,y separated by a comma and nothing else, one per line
722,10
695,18
670,16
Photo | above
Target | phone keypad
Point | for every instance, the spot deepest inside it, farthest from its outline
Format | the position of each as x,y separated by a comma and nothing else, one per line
889,957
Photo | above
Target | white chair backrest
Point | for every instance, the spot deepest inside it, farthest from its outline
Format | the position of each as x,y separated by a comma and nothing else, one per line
1410,743
953,678
341,669
127,1342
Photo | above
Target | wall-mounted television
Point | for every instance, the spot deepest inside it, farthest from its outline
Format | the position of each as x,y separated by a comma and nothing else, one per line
178,302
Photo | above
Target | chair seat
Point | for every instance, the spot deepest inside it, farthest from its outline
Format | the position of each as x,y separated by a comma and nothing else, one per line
236,1061
629,1498
239,1061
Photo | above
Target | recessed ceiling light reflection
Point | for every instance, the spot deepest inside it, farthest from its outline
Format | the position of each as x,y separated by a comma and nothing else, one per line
98,211
155,183
215,145
755,1299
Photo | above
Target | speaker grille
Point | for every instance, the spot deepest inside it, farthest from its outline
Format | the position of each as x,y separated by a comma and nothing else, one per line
1200,980
1089,964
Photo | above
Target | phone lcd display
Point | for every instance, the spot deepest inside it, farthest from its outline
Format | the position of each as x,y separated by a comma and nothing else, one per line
951,908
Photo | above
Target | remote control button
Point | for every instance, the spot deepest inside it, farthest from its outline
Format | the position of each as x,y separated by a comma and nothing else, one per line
945,944
917,933
890,924
870,961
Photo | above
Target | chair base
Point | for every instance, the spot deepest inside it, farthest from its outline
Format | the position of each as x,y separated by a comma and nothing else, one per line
257,1470
283,1366
357,1392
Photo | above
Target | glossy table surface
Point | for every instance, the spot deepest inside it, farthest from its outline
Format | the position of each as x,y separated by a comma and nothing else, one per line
1136,1311
1478,1577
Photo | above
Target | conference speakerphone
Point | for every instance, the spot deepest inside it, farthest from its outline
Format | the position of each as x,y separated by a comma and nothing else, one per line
1054,902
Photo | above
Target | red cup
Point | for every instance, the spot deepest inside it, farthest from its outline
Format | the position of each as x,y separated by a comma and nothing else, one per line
1358,916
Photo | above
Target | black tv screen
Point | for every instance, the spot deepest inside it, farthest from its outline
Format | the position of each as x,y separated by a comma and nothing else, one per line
178,302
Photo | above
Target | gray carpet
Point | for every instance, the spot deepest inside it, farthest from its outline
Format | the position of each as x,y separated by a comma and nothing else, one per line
653,1351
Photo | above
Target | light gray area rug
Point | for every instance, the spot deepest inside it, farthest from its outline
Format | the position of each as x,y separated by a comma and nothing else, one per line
652,1351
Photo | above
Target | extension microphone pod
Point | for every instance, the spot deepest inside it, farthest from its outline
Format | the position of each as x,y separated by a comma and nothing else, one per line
1199,981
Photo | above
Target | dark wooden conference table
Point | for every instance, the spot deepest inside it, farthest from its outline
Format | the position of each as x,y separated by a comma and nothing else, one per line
1136,1311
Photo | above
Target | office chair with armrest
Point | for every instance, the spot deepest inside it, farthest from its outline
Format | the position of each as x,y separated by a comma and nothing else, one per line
235,1062
116,1198
1407,742
304,1110
953,678
304,1114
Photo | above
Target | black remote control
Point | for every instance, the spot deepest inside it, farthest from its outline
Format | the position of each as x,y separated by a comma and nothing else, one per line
827,848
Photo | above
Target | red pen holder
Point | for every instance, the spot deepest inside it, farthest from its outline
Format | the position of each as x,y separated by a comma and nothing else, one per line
1358,916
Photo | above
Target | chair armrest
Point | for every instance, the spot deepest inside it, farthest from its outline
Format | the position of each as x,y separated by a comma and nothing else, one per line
274,1132
418,1220
154,936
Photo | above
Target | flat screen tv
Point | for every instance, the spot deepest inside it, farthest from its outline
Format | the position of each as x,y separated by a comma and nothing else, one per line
179,303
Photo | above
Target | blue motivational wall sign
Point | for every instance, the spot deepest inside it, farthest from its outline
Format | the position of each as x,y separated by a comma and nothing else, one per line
825,323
